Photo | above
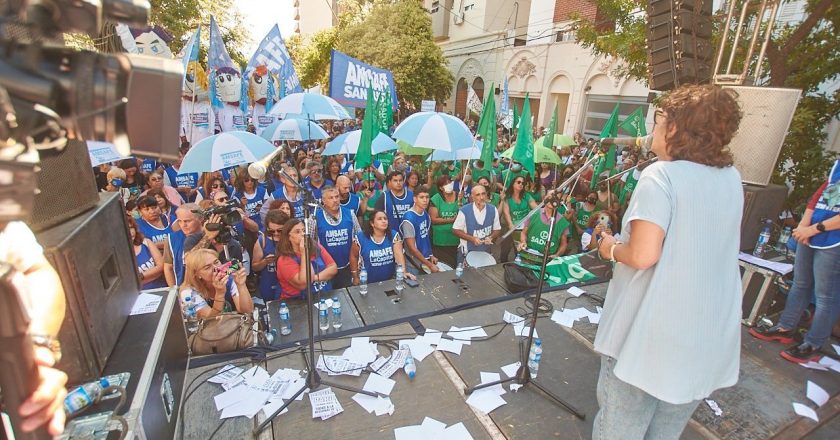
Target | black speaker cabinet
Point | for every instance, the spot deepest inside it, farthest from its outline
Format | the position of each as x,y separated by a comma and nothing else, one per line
760,202
66,184
93,256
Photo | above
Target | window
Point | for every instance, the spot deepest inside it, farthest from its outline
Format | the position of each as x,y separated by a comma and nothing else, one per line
469,6
435,7
599,108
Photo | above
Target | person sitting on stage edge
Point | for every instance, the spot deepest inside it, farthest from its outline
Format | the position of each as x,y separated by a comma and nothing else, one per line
291,273
415,228
380,249
815,272
670,333
535,231
477,223
212,288
336,228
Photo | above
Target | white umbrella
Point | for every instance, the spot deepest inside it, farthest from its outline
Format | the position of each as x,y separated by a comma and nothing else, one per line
293,130
225,150
438,131
310,106
103,152
471,153
348,143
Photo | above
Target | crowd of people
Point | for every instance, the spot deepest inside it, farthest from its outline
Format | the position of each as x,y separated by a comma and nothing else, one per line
402,211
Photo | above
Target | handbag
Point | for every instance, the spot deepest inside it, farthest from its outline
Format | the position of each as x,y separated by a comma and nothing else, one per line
519,279
223,333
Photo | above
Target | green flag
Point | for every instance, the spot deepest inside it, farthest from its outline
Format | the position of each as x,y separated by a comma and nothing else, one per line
487,129
635,123
552,130
523,152
611,127
364,157
385,112
515,117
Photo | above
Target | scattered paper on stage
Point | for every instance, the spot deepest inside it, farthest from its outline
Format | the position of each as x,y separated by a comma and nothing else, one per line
521,330
457,432
512,318
511,369
273,405
256,376
369,403
231,397
248,407
432,427
338,365
466,333
324,404
780,268
493,377
816,394
450,346
432,337
805,411
418,346
485,400
293,388
575,291
836,348
563,319
814,366
378,384
714,407
383,406
414,432
145,303
829,362
227,373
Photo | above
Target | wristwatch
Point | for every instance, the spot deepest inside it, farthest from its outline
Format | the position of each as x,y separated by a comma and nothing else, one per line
821,227
49,343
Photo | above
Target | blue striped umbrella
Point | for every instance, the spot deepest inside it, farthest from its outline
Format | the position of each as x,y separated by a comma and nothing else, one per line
225,150
348,143
434,130
310,106
471,153
293,129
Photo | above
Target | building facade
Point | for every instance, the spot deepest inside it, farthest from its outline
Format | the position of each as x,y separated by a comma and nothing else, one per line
530,44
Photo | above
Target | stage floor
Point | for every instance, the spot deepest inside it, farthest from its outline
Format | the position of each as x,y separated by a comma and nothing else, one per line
758,407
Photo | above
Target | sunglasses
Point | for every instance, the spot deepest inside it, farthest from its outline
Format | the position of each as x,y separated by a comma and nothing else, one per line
154,179
519,182
273,231
222,199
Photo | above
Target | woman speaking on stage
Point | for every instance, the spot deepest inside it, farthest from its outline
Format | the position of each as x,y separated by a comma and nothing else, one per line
670,331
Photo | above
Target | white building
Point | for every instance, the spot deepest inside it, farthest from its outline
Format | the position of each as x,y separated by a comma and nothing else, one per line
312,16
529,43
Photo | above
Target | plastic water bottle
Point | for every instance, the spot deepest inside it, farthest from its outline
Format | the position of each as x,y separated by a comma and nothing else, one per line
763,239
336,313
285,320
410,368
459,269
84,396
535,357
399,283
363,287
190,315
784,237
518,259
323,316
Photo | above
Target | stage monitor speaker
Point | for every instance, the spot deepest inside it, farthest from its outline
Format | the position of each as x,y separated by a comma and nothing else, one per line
760,203
66,185
154,106
94,258
767,114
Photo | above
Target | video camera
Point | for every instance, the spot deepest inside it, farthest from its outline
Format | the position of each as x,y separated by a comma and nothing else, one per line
228,216
50,92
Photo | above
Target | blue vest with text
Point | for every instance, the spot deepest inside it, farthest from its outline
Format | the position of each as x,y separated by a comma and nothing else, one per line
422,225
336,238
396,207
378,258
176,244
186,179
145,261
152,232
253,204
269,287
480,230
297,205
352,204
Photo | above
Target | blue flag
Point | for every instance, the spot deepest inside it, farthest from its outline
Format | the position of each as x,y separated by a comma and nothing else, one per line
503,107
217,55
272,53
190,50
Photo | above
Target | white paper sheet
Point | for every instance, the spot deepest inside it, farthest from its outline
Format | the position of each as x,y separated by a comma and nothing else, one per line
384,406
432,427
521,330
379,384
450,346
231,397
432,337
457,432
145,303
324,404
816,394
830,363
273,405
294,387
256,376
836,348
575,291
485,400
493,377
511,369
368,403
805,411
414,432
814,366
225,374
512,318
781,268
714,407
563,319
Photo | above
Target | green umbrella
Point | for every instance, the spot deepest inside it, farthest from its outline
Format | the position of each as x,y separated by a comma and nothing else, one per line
541,155
560,140
411,150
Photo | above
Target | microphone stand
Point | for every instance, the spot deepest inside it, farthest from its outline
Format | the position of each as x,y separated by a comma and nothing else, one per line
652,159
313,379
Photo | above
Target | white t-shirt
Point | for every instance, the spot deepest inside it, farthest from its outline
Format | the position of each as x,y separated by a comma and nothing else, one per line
204,120
461,221
231,118
675,328
199,300
260,119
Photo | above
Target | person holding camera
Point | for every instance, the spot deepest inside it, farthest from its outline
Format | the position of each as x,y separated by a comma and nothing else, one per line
217,232
215,287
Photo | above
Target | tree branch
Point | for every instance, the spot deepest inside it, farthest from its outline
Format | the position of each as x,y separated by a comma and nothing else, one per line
804,29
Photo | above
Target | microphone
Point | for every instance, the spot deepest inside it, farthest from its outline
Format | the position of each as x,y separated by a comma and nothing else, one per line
644,142
258,169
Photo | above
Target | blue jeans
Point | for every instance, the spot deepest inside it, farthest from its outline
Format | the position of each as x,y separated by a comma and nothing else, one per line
627,412
815,271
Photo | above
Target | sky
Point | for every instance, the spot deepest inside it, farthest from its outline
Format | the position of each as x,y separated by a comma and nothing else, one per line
261,15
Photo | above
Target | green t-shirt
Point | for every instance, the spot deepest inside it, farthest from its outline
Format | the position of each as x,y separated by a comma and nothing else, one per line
538,232
442,234
371,204
508,176
478,173
536,195
583,216
518,211
440,171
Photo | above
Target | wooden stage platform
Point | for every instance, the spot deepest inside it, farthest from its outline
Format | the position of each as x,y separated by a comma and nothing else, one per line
758,407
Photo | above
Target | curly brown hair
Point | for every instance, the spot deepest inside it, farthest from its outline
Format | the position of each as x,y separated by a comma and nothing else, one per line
705,119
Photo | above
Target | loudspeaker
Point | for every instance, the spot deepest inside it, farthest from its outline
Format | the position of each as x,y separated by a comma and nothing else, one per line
66,185
154,106
679,43
760,203
94,258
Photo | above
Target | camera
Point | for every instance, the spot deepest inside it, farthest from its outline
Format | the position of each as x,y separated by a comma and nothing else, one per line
228,216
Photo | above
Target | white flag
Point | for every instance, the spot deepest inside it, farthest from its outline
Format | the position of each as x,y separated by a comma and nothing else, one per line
473,101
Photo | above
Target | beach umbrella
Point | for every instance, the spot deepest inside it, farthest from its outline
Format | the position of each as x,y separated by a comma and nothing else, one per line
560,140
293,129
435,131
225,150
471,153
348,143
103,152
310,106
541,155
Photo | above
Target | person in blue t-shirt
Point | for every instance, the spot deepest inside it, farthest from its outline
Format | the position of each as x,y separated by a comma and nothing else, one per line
185,183
349,199
264,261
395,200
148,257
287,191
152,223
379,249
415,229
